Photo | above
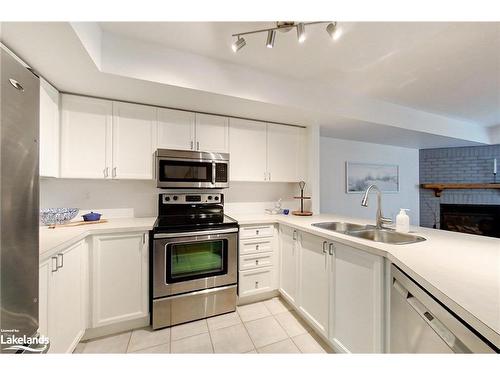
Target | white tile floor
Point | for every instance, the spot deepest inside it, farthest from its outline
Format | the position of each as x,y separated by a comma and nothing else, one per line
263,327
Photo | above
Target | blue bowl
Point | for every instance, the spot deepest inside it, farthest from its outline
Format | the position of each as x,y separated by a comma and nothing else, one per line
51,216
91,216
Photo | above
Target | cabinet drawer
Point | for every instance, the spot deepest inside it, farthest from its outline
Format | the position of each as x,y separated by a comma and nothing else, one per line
249,262
257,231
255,246
255,281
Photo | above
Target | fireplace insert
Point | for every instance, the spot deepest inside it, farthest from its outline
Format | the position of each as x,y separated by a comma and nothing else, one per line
478,219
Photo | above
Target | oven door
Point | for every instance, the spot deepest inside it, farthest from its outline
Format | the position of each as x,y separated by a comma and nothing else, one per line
189,173
186,262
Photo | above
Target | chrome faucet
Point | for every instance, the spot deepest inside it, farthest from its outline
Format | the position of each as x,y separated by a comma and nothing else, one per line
380,220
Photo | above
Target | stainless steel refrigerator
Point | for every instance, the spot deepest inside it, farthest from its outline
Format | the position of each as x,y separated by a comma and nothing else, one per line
19,207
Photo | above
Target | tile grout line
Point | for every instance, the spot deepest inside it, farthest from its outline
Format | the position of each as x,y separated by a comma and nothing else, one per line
248,333
210,337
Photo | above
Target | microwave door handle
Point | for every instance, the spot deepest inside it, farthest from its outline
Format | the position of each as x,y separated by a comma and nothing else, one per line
213,172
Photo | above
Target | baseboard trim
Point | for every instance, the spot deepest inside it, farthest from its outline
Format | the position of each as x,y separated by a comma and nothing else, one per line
256,297
93,333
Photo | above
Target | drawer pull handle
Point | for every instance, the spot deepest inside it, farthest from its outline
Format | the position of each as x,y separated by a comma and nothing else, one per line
257,232
256,284
256,261
256,247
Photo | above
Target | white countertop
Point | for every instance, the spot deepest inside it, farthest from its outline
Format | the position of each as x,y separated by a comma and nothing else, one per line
53,240
461,270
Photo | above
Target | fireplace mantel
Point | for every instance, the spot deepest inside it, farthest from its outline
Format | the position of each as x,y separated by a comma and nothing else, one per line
438,188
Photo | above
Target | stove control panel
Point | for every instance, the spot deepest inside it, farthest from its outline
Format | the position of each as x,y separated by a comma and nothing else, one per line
192,198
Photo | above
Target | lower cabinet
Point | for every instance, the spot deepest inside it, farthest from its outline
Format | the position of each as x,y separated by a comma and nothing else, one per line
61,298
357,301
119,278
315,266
258,261
289,261
337,289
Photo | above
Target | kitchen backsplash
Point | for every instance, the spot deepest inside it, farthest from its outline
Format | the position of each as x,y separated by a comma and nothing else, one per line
141,196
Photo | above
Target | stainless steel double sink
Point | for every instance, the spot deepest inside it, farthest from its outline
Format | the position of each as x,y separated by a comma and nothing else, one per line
370,232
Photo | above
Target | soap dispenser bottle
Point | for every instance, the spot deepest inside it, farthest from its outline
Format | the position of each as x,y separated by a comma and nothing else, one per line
403,221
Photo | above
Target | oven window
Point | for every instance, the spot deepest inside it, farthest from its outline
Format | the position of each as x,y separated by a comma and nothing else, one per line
171,170
194,260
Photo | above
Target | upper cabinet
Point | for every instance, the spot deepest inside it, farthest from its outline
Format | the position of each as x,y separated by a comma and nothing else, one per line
134,141
49,130
176,129
212,133
181,130
248,150
284,153
116,140
266,152
86,137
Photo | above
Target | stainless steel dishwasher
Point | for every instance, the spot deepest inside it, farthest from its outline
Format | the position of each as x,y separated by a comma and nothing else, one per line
420,324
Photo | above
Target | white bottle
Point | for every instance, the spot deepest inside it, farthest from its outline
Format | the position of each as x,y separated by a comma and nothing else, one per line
403,221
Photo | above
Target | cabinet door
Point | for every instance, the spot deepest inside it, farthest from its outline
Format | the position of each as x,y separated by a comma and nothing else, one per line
175,129
44,289
85,137
283,152
68,326
288,263
134,133
314,288
212,133
49,130
247,146
357,319
119,278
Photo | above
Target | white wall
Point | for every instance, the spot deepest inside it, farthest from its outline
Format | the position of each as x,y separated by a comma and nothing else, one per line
142,196
333,197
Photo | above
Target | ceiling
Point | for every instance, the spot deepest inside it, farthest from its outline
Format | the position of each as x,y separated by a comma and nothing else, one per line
446,68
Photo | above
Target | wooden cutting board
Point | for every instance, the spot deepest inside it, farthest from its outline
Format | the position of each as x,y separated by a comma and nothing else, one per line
302,213
77,223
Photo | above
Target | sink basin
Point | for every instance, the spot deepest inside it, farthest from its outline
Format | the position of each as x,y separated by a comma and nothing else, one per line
386,236
338,226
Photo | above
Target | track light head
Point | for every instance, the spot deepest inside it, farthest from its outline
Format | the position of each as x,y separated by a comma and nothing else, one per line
301,32
271,34
238,44
334,30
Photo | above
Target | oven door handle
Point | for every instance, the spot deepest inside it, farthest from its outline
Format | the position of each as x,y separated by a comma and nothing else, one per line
199,233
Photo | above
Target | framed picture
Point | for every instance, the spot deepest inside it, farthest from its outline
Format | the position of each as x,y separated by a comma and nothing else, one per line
361,175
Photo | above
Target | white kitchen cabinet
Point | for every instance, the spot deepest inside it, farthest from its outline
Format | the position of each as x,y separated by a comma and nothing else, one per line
315,266
176,129
212,133
284,153
119,278
134,141
247,146
86,128
357,297
49,130
62,298
289,261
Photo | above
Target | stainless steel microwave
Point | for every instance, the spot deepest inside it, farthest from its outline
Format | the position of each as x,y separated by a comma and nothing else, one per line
191,169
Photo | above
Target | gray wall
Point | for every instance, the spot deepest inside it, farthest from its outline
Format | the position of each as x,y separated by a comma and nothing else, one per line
455,165
333,155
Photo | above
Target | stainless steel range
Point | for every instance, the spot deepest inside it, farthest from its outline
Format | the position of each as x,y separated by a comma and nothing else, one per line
194,259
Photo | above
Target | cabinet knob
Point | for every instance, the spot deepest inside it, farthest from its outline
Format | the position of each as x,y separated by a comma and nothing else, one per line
257,232
256,284
257,247
256,261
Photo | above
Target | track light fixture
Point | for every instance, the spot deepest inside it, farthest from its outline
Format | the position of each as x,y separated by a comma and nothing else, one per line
238,44
301,33
333,30
271,34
